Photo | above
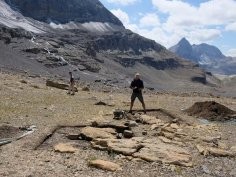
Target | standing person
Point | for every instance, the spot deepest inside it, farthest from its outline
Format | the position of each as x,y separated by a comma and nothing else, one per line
71,90
137,87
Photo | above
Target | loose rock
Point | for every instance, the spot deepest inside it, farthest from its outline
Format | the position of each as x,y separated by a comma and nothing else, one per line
133,124
86,89
128,134
65,148
104,165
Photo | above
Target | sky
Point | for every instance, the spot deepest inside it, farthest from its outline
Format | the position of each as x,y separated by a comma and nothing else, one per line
168,21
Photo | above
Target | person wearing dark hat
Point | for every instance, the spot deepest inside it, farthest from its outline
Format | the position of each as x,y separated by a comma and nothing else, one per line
137,86
71,89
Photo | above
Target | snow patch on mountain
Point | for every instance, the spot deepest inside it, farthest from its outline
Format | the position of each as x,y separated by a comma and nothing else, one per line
13,19
90,26
205,60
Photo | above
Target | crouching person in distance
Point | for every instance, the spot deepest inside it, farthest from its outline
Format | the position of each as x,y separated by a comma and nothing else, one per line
71,90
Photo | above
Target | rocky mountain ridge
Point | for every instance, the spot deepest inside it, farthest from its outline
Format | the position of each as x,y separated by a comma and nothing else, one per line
198,53
207,56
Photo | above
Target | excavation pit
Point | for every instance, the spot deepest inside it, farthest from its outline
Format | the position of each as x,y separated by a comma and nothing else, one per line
150,137
7,131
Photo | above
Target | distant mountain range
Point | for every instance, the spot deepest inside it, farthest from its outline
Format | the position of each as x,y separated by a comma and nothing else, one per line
207,56
52,37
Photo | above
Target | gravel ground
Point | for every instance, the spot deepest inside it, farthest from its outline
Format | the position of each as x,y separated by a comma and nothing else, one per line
32,103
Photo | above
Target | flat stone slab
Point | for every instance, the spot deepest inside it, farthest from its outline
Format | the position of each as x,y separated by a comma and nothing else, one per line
155,150
152,150
123,146
65,148
91,133
104,165
150,119
218,152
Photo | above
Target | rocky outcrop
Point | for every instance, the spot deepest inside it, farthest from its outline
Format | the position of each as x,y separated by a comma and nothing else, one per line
156,151
152,150
218,152
7,34
125,41
170,63
64,11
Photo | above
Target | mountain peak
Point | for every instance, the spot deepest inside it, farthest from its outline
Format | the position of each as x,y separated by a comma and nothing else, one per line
207,56
184,41
183,48
64,11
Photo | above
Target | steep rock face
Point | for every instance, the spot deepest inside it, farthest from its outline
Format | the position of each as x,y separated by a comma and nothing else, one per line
125,41
207,50
64,11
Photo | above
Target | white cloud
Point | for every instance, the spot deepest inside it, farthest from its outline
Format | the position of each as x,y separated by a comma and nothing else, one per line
212,12
122,2
198,24
203,35
123,16
231,27
231,52
150,20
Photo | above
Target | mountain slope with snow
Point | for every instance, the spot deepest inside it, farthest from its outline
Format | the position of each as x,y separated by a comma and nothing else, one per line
14,19
64,11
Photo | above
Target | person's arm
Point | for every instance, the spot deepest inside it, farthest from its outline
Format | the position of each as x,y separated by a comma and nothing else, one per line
131,85
141,86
